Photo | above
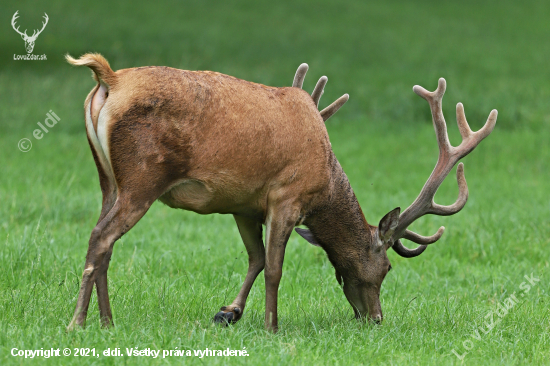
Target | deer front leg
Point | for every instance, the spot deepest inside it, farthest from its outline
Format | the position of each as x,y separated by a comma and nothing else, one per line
279,224
251,234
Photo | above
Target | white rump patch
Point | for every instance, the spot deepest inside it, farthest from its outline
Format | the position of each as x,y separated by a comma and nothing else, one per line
99,141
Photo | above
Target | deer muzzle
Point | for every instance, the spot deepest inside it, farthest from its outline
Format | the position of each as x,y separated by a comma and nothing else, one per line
365,301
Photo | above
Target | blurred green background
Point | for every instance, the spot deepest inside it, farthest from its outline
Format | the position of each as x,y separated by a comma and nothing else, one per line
171,273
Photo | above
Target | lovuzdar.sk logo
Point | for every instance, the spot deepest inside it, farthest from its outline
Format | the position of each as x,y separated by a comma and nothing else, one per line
29,40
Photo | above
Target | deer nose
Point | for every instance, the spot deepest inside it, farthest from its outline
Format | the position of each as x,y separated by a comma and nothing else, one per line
377,319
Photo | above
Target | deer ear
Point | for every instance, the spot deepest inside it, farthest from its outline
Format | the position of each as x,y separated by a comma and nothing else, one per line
306,234
388,224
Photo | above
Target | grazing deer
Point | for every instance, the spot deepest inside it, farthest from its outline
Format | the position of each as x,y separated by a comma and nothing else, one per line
212,143
29,41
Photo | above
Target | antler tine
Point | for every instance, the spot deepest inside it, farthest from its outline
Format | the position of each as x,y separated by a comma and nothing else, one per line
425,240
334,107
435,99
46,18
436,94
488,127
463,125
300,76
13,20
448,156
471,139
43,26
319,90
441,210
405,252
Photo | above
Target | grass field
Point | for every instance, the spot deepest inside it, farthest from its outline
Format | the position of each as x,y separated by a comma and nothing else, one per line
171,273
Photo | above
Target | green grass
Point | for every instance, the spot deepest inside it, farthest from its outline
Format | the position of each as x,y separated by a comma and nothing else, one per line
171,273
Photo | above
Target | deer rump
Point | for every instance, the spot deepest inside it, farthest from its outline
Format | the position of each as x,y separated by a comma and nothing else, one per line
207,142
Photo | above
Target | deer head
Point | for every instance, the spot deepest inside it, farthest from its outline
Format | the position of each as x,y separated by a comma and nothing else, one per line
29,41
358,250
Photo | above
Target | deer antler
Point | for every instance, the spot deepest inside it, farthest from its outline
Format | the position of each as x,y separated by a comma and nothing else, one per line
13,19
318,92
35,34
448,156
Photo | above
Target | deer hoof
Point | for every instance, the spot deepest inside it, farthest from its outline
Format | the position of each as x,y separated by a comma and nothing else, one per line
228,316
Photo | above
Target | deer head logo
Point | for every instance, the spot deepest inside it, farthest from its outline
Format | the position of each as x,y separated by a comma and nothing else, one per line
29,41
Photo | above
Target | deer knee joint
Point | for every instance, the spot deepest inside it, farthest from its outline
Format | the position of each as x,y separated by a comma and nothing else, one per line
273,274
258,262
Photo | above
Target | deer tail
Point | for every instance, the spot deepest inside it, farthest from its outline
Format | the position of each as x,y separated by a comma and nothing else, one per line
102,72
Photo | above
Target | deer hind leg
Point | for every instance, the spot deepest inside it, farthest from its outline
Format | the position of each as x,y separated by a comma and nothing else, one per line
125,213
102,291
109,191
101,275
251,234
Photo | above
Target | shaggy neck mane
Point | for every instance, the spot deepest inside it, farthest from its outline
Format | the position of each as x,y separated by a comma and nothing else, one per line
339,225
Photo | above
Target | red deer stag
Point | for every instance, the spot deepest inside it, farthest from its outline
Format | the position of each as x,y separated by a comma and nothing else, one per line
212,143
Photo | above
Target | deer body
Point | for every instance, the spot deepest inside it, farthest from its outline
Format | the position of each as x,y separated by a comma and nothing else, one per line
193,133
211,143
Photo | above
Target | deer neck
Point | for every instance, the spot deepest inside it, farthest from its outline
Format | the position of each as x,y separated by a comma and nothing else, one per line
339,225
